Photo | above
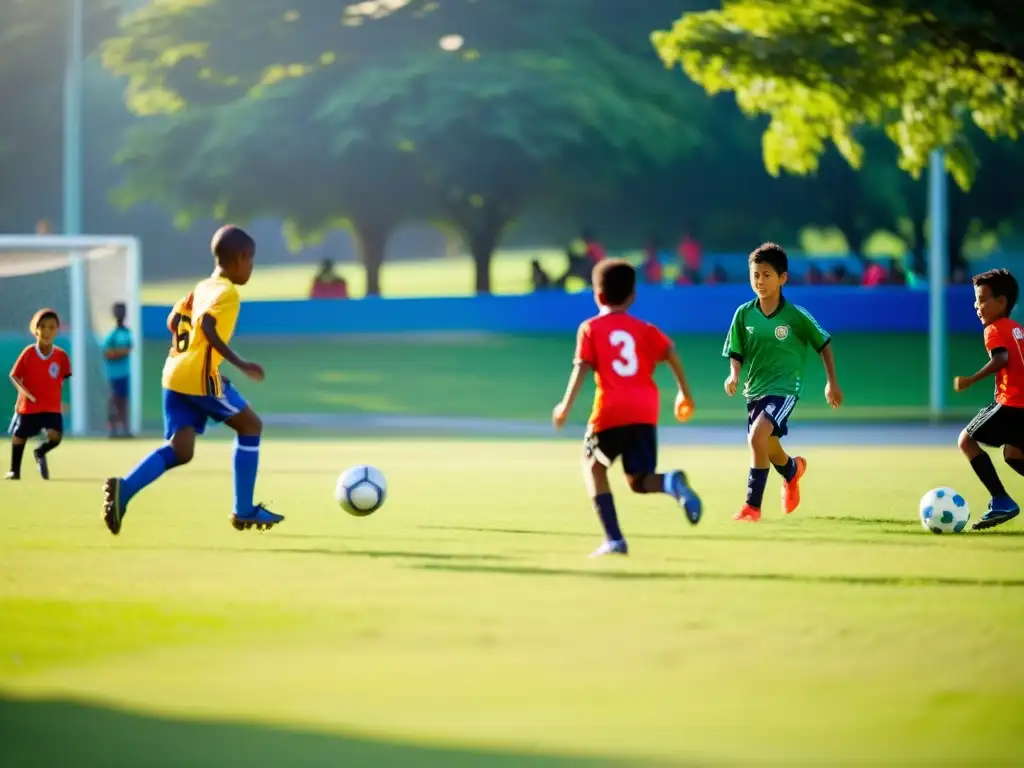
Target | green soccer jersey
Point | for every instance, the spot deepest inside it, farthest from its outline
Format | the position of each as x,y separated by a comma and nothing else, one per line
773,347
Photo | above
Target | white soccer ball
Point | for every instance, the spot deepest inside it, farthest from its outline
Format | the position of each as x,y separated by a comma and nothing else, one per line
943,510
361,490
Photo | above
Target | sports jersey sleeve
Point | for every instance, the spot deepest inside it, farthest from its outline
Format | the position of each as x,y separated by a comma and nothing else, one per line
658,343
810,331
585,346
65,365
18,369
994,340
736,339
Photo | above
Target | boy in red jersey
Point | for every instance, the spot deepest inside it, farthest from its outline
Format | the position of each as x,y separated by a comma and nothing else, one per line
38,375
623,352
1001,424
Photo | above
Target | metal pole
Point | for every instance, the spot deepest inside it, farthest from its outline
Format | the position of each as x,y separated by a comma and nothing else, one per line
72,215
938,269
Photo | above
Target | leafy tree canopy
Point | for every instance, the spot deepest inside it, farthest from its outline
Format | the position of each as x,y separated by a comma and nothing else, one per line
822,69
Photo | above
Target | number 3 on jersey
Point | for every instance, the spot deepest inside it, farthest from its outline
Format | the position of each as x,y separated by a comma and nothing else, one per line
626,364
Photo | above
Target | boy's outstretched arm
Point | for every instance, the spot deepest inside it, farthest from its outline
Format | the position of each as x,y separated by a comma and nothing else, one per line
996,363
684,400
833,394
209,326
21,389
572,391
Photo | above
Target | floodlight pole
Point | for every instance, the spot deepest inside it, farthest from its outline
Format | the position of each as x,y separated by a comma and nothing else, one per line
938,269
72,213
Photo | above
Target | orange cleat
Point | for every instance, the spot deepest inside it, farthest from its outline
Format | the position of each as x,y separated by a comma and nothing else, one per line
791,490
748,514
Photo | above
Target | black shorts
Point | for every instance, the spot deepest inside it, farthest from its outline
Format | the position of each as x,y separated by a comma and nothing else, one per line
637,444
776,408
998,425
26,425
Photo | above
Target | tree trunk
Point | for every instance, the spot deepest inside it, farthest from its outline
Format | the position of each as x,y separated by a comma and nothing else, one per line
483,241
371,245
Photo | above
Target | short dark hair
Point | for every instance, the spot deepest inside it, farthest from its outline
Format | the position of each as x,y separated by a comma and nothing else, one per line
43,314
772,254
1002,283
615,279
230,241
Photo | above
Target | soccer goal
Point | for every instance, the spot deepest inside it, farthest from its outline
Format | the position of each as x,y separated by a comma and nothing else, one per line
81,278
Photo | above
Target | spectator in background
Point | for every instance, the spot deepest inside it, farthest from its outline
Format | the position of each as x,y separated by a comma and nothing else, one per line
718,276
690,254
651,268
327,283
840,275
117,350
874,275
897,275
583,253
688,276
814,275
539,278
42,227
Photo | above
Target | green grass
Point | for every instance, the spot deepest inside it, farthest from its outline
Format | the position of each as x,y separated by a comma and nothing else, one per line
462,623
510,273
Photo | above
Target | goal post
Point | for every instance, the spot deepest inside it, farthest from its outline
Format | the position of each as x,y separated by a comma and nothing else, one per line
81,277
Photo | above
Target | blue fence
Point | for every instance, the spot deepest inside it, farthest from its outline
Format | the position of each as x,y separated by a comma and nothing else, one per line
697,309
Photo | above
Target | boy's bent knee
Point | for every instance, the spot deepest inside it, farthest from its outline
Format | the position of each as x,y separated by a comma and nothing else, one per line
968,445
246,423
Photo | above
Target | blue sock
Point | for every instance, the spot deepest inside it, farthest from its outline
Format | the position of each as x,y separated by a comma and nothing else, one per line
247,462
605,506
148,471
787,470
756,481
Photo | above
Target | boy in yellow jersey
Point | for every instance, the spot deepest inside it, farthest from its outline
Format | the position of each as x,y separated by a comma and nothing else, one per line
194,391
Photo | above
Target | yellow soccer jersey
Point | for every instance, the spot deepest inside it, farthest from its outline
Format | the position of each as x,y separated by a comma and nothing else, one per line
193,366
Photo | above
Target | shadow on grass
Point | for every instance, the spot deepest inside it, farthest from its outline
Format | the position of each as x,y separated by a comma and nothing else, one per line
386,554
866,580
65,733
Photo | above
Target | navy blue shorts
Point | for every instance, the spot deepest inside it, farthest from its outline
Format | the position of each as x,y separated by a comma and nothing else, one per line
119,387
194,411
637,444
28,425
776,408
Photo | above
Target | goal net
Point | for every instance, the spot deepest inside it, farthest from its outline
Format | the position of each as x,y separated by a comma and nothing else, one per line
82,278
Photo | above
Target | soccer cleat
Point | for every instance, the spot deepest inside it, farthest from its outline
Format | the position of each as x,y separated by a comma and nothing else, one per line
687,497
260,517
791,489
12,476
44,467
748,514
113,507
611,548
1000,510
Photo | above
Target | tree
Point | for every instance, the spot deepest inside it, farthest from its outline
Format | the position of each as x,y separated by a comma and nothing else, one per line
821,69
374,123
33,41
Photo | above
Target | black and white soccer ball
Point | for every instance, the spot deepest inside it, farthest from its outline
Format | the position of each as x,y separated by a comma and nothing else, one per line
361,490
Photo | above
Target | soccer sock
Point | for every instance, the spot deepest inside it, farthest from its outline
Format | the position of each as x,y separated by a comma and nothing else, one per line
986,472
787,470
46,447
756,481
17,451
605,506
247,462
1017,465
148,471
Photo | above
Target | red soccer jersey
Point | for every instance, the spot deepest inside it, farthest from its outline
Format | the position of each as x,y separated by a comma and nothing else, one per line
1006,334
623,351
43,377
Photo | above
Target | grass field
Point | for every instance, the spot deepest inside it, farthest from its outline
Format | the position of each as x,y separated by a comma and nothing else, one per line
462,624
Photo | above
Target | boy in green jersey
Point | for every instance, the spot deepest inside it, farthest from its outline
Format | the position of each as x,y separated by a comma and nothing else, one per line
771,337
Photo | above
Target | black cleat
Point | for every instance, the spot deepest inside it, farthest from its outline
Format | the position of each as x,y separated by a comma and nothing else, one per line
113,507
44,467
261,518
12,476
